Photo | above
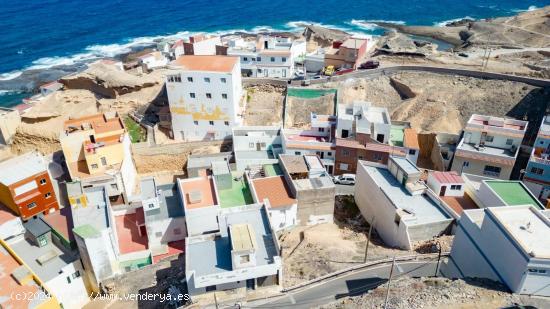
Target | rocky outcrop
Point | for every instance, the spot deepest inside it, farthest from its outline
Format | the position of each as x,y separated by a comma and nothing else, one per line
107,81
323,36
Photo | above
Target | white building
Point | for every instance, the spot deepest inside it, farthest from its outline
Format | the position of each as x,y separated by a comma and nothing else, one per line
204,97
201,203
537,172
490,146
256,145
267,56
364,121
401,208
506,244
243,255
153,60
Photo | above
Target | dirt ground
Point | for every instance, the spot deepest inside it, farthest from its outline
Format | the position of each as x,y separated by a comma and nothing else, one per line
437,293
444,103
264,105
298,110
326,248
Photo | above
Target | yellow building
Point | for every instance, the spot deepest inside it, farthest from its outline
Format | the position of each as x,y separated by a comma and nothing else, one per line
20,287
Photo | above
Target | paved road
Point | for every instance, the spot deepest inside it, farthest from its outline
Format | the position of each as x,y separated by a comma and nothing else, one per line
354,283
345,190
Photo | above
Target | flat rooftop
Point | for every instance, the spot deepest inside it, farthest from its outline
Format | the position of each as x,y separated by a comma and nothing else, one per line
238,195
242,237
100,123
21,167
255,155
275,189
213,256
95,213
405,165
273,170
397,136
493,151
127,230
198,192
57,258
513,193
306,138
221,64
9,265
528,227
294,164
62,222
459,203
423,209
498,122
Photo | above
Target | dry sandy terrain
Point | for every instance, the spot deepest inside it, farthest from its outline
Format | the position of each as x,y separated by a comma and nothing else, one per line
264,105
298,110
443,103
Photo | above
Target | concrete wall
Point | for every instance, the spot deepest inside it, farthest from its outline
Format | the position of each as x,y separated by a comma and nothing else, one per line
73,294
476,167
201,220
315,205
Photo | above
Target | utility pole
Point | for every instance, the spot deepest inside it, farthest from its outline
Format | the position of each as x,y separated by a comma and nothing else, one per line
487,60
438,259
368,239
389,283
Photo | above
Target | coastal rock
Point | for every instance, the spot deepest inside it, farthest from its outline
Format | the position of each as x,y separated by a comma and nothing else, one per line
322,36
107,81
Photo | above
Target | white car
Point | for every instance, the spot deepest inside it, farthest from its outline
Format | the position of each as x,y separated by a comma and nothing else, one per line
344,179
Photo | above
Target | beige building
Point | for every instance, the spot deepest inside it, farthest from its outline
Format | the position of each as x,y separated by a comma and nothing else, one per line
489,146
97,151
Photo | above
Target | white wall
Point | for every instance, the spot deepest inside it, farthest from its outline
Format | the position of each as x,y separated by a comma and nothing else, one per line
11,228
71,295
207,46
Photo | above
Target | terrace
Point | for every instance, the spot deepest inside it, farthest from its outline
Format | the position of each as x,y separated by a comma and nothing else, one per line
198,192
513,193
130,238
238,195
275,189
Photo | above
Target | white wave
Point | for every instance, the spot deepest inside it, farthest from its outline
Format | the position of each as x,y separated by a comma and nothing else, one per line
296,26
446,22
259,29
529,9
397,22
363,24
10,75
7,92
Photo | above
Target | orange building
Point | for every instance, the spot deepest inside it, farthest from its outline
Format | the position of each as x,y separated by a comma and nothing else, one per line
26,187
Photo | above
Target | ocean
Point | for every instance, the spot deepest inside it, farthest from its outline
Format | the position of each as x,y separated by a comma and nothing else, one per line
42,40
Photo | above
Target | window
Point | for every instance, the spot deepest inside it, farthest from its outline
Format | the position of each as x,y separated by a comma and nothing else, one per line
192,95
360,158
103,161
297,153
536,170
321,129
226,123
174,78
207,79
177,231
491,170
456,187
272,59
412,152
509,141
489,138
43,181
343,166
245,58
48,195
245,258
31,205
211,122
114,186
69,280
250,145
377,157
94,166
190,79
329,154
76,274
259,59
224,95
465,164
209,96
196,122
223,80
283,59
210,288
345,153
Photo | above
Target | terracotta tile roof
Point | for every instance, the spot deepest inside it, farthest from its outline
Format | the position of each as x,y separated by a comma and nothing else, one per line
313,146
485,157
275,189
216,63
348,143
294,164
178,43
411,138
447,177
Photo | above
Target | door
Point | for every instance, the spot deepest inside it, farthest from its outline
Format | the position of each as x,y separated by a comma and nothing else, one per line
42,240
443,189
380,138
258,146
250,285
345,133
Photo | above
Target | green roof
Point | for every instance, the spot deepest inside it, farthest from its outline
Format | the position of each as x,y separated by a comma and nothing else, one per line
273,170
308,93
238,195
86,231
397,136
513,193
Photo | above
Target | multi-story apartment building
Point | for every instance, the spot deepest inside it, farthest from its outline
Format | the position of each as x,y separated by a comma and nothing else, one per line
267,56
26,187
204,94
537,173
489,146
97,153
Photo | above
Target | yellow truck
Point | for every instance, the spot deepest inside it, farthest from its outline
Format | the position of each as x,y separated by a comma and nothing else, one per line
329,70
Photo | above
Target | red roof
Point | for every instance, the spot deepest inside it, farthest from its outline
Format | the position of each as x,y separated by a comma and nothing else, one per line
447,177
178,43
